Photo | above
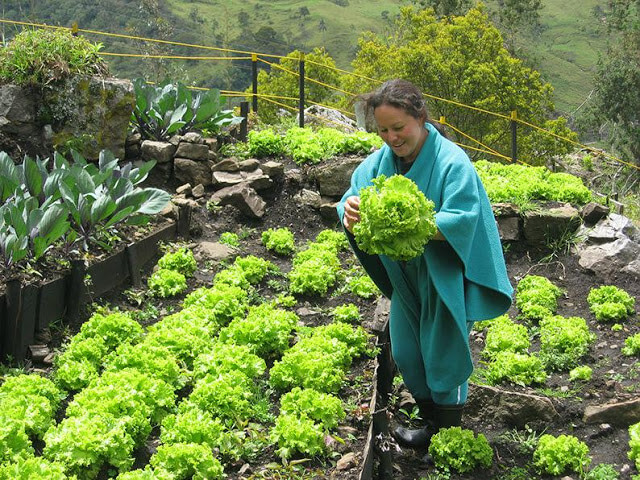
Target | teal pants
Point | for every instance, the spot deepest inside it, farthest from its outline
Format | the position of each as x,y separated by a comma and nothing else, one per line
406,348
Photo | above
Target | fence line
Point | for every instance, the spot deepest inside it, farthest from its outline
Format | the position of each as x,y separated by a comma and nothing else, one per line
254,57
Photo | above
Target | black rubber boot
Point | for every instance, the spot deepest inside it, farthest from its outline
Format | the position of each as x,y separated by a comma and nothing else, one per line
436,417
418,437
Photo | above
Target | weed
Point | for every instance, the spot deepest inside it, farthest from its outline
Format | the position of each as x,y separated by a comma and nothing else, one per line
526,440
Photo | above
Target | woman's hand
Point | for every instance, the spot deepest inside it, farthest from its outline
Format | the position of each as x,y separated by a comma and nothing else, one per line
351,212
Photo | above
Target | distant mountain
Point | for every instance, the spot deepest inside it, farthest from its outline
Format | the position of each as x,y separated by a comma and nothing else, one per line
564,49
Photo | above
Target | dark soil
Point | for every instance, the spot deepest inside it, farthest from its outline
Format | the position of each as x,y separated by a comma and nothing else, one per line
615,377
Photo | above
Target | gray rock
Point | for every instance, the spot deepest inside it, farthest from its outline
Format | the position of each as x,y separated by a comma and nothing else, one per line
334,175
198,191
226,165
161,152
242,197
214,251
191,171
612,228
511,408
193,137
542,227
505,209
308,197
509,227
608,259
620,414
212,144
249,165
328,211
347,461
132,139
319,115
184,202
275,170
184,189
294,176
192,151
593,212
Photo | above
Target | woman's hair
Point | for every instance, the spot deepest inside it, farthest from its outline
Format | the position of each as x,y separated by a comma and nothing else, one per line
404,95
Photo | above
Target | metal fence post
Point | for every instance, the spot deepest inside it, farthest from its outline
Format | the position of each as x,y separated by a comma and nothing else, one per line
301,102
514,136
244,113
254,82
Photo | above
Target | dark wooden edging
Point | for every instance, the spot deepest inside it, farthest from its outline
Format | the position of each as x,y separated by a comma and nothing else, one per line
384,369
28,309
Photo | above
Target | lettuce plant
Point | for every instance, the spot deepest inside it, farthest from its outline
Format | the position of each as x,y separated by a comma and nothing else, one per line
254,268
557,455
537,297
505,335
265,143
610,303
185,461
165,283
182,260
348,313
583,373
519,368
230,238
320,407
24,467
632,345
457,448
634,444
603,471
298,434
226,358
563,341
279,240
396,219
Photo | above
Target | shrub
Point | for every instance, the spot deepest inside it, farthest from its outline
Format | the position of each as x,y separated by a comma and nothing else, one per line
610,303
458,449
556,455
43,56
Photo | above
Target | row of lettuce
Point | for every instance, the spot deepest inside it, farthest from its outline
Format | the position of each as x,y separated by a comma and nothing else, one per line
126,380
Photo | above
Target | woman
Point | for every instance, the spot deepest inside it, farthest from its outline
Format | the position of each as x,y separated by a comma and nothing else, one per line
461,276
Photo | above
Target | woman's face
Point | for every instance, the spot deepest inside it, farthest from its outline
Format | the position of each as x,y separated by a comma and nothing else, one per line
402,132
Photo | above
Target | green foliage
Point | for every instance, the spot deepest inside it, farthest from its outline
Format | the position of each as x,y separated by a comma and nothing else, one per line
557,455
32,468
505,335
230,238
254,268
610,303
564,341
603,471
319,66
184,461
14,440
632,345
362,286
537,297
224,302
519,368
396,219
193,425
266,330
182,261
348,313
165,283
298,434
315,269
265,143
458,449
320,407
43,56
337,239
520,184
227,358
634,444
170,109
582,373
279,240
445,59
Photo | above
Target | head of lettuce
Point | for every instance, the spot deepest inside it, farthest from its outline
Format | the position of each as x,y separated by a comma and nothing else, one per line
396,219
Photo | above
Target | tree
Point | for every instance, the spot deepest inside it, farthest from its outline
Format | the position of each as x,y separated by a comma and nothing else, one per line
322,26
461,59
518,15
618,79
320,67
445,8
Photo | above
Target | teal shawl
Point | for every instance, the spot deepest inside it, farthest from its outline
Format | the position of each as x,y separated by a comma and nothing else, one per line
468,270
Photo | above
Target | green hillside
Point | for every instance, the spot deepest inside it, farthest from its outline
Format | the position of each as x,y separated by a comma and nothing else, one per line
565,50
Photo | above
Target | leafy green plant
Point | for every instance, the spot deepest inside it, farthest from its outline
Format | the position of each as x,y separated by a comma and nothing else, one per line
43,56
348,313
563,341
556,455
634,444
298,434
227,358
319,407
458,449
632,345
230,238
505,335
362,286
23,467
602,471
183,461
610,303
182,261
582,373
166,109
265,143
519,368
279,240
537,297
254,268
166,283
396,219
